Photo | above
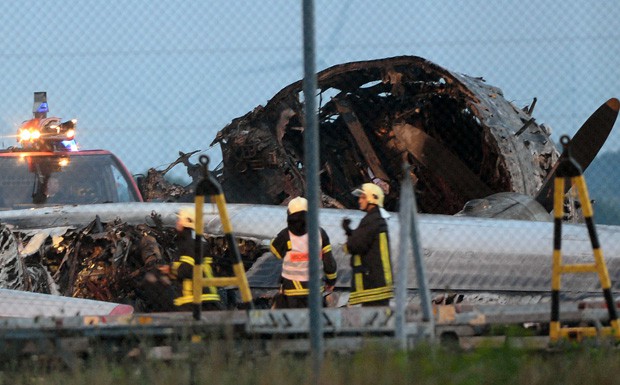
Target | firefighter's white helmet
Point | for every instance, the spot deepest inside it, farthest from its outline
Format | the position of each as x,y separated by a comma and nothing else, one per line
187,217
374,194
297,204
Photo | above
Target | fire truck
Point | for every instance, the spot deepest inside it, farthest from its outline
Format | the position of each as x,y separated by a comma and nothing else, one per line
47,168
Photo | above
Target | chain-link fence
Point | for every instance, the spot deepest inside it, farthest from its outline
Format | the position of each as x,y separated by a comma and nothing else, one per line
472,95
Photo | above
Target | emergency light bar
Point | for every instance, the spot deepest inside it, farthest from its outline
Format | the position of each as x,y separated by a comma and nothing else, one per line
48,134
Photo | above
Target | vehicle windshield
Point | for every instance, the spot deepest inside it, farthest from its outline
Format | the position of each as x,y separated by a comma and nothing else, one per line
32,180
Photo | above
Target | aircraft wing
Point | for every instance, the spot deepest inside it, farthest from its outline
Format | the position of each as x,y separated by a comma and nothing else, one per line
470,254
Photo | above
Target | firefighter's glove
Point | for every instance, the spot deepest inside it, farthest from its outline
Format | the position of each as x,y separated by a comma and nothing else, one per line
346,225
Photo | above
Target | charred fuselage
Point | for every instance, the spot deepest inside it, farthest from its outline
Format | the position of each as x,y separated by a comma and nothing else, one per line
462,139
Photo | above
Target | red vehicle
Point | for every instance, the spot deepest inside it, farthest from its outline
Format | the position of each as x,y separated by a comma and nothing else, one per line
48,169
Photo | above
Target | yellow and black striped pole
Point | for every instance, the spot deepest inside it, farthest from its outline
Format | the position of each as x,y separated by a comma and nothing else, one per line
209,186
198,256
570,169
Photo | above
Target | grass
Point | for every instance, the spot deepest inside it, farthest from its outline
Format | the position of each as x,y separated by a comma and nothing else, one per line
214,363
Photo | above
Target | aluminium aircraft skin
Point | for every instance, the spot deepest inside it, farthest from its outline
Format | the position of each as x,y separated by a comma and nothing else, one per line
486,260
23,304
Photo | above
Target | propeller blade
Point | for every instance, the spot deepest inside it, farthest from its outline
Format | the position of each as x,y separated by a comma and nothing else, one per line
584,146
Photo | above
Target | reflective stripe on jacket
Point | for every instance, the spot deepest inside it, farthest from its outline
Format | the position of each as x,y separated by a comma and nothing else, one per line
293,250
183,269
187,285
370,262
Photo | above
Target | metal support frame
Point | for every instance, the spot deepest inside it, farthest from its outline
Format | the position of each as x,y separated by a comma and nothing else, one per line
209,186
570,169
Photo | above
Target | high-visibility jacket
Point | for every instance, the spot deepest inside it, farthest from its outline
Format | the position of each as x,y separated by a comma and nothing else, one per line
183,269
369,247
293,250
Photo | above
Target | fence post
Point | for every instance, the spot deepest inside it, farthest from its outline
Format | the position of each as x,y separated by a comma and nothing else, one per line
408,236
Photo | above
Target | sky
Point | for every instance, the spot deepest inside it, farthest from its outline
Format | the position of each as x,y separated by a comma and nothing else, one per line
149,78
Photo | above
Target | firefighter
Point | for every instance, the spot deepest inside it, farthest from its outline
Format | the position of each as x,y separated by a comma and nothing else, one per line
291,246
371,284
183,265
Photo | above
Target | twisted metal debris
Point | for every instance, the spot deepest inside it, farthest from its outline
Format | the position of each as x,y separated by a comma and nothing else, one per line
102,261
462,138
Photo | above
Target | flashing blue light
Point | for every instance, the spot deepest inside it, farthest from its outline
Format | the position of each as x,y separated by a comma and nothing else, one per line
43,107
70,145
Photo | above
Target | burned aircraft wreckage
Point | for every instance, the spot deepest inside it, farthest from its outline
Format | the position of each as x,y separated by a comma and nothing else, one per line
462,139
107,261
